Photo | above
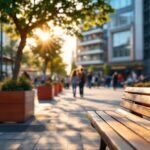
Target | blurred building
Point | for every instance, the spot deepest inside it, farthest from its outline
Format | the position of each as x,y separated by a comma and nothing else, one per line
90,49
7,66
120,41
125,35
147,36
6,63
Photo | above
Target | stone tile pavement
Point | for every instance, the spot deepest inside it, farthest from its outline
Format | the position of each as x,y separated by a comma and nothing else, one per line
60,124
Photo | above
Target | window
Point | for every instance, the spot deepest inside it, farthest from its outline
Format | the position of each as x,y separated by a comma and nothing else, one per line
122,44
117,4
121,19
125,18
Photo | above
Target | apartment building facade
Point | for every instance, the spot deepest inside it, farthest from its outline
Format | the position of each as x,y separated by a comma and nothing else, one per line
90,49
125,34
146,26
124,38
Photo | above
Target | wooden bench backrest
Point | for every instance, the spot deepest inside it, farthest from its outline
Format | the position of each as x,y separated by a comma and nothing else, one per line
137,100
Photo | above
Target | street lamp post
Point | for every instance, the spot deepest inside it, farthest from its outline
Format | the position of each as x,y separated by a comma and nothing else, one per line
1,51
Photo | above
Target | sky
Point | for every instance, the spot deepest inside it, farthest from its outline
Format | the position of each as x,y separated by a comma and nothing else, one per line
68,48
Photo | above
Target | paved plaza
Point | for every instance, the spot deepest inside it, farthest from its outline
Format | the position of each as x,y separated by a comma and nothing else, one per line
60,124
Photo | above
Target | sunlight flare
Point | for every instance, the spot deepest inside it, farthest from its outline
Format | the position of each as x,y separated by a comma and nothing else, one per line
44,36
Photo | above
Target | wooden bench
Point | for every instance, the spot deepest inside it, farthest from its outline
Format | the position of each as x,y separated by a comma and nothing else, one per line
127,127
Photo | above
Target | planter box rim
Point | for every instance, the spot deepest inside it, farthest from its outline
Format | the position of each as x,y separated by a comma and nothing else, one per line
18,91
45,85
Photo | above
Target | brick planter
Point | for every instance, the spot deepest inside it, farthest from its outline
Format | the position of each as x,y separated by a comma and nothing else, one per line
16,106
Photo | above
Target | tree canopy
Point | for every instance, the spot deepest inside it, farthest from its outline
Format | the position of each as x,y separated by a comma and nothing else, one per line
49,52
25,15
29,14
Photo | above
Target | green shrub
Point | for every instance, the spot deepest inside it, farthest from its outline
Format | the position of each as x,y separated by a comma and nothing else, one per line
21,84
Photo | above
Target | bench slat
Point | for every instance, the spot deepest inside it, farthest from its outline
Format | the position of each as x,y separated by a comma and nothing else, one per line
144,133
136,141
111,138
143,122
138,90
143,99
143,110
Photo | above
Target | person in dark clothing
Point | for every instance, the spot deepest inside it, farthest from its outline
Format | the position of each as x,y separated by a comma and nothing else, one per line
115,80
89,78
107,80
82,80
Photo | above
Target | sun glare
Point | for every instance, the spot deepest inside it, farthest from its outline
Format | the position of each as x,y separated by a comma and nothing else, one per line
68,47
43,35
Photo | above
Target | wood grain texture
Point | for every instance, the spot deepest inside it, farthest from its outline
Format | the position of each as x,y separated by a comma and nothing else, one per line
143,110
12,97
136,141
135,127
138,90
143,122
143,99
111,138
16,110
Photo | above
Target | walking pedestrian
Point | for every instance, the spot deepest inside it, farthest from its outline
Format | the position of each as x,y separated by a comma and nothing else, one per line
82,79
89,78
74,81
115,80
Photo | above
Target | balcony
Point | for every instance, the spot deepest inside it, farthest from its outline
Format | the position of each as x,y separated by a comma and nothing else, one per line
94,41
89,52
96,30
90,62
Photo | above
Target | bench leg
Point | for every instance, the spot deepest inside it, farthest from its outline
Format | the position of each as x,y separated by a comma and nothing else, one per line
102,145
92,125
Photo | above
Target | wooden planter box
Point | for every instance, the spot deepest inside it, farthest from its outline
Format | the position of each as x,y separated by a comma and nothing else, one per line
45,92
60,87
16,106
56,89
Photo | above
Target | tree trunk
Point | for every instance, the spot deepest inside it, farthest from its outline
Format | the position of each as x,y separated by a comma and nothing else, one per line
51,68
12,58
19,57
45,67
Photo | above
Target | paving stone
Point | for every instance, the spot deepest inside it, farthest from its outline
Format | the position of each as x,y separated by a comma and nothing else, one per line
28,144
51,141
75,146
90,140
90,147
7,136
9,145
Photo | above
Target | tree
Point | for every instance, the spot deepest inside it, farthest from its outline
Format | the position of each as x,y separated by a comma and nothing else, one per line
48,51
91,69
73,65
57,66
25,15
106,69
